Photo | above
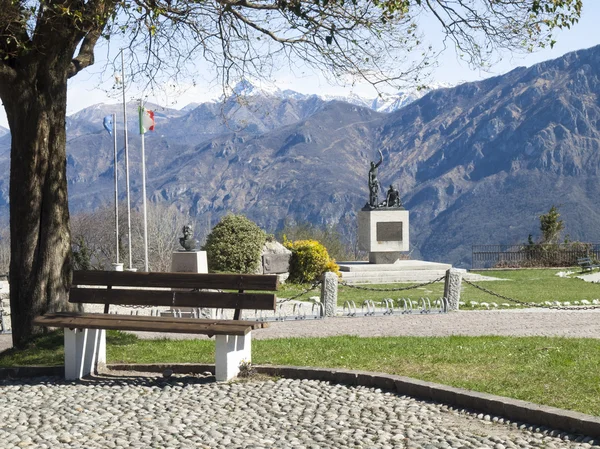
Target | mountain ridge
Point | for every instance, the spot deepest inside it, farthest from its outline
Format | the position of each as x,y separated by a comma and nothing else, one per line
475,163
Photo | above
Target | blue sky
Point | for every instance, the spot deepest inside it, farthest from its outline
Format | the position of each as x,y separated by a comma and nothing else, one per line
91,86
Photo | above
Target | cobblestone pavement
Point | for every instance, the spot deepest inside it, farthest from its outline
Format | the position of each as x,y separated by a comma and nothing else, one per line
142,411
145,412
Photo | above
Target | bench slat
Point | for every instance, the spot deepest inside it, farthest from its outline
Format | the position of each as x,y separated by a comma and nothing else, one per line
117,322
217,300
165,319
177,280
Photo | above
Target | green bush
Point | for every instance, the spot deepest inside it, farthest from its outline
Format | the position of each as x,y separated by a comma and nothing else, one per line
234,245
309,260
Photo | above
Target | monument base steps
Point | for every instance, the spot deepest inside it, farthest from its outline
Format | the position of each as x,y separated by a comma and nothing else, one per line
385,277
402,271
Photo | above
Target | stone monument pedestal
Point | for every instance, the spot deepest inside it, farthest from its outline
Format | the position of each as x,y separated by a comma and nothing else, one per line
189,262
383,232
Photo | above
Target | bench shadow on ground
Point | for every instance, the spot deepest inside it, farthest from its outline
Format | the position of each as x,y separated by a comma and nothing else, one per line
119,378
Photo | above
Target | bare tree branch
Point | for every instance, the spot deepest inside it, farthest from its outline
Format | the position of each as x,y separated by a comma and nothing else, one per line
374,40
85,57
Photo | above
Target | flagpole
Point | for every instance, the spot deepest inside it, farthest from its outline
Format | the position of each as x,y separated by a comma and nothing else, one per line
126,161
144,192
114,120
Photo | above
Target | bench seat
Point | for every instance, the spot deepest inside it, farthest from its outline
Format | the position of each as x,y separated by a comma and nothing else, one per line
586,264
139,323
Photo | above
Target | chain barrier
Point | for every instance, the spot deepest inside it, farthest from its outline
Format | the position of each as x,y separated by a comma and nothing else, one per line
309,289
360,287
529,304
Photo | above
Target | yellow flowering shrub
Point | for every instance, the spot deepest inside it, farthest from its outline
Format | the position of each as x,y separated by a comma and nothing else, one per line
309,260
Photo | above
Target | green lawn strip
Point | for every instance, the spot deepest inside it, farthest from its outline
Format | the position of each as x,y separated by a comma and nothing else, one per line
533,286
560,372
44,350
537,286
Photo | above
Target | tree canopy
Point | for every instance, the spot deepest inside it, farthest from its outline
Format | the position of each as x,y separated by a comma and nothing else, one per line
375,40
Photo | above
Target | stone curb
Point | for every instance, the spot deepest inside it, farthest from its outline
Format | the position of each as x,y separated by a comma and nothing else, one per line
513,409
31,371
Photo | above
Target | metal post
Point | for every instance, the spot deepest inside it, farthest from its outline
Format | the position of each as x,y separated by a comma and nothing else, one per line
114,120
126,160
144,198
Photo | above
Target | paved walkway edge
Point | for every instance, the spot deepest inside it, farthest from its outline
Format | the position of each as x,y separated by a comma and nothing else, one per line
513,409
31,371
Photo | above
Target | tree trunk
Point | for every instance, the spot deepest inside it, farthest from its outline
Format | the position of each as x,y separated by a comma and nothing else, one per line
40,266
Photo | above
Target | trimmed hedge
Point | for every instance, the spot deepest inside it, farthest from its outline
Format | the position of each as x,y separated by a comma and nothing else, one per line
234,245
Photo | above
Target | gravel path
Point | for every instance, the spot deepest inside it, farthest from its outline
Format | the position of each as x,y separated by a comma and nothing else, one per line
143,412
517,322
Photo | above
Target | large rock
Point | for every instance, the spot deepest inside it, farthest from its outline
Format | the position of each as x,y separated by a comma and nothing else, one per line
275,258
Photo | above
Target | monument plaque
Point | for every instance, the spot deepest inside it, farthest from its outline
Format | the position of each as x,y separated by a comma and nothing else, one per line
389,231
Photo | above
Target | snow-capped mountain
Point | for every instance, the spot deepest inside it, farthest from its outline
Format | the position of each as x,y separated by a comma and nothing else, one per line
3,131
246,88
385,103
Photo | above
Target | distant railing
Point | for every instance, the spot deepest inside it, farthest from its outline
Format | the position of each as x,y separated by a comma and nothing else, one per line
533,255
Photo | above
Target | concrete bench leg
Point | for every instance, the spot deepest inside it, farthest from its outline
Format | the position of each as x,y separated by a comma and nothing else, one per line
231,350
84,350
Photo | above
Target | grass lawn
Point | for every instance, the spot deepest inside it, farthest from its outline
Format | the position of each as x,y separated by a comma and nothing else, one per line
536,286
560,372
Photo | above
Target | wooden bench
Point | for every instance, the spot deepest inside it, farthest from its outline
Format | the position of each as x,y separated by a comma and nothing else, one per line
85,333
586,264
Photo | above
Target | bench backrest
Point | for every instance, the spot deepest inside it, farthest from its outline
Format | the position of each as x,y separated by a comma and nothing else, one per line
133,288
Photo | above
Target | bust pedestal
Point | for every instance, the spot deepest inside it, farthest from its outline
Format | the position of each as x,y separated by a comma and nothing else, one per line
189,262
383,232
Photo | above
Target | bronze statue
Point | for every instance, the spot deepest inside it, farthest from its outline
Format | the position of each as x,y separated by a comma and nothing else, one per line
188,241
374,182
393,197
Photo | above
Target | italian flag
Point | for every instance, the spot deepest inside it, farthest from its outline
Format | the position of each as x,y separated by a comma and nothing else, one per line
146,120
